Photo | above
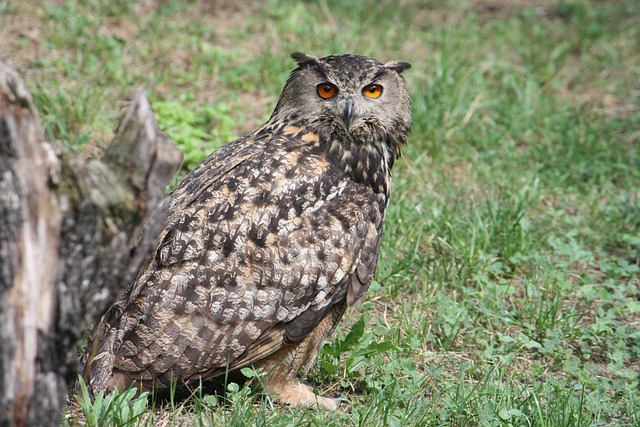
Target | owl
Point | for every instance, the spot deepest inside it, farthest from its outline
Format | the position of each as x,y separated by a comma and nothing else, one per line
267,242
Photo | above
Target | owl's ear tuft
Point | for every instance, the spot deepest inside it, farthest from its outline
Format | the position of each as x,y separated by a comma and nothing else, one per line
397,66
302,58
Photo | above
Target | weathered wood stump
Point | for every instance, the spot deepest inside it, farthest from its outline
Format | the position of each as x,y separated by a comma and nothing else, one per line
73,235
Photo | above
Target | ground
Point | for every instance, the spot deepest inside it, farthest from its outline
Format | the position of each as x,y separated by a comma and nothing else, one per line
507,291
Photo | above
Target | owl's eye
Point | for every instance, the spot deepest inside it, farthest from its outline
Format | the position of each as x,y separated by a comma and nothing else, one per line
372,91
326,90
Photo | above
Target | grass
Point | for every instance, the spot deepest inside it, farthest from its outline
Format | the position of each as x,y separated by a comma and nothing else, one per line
507,292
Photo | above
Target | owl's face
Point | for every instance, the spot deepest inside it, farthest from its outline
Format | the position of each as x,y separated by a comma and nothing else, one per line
351,97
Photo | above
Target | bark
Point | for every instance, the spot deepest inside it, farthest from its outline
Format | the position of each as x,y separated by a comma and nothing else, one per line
73,235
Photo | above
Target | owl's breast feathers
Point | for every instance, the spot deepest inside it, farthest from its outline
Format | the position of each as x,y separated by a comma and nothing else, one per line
262,240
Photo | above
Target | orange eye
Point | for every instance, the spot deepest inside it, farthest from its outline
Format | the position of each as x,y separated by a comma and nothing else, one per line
326,90
372,91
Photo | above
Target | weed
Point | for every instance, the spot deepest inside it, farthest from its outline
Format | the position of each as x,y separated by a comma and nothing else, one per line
113,409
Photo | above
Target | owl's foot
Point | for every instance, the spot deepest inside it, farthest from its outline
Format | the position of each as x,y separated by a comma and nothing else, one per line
295,393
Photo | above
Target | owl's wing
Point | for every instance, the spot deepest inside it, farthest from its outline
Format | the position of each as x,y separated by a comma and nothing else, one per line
256,250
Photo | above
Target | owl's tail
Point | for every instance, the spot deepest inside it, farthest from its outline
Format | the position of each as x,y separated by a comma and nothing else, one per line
99,357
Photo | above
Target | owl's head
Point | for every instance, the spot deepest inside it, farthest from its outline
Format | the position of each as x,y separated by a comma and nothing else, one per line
352,97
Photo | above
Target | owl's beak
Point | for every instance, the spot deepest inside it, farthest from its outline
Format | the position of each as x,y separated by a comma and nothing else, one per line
347,116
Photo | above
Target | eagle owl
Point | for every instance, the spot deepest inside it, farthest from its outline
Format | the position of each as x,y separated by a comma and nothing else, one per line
267,241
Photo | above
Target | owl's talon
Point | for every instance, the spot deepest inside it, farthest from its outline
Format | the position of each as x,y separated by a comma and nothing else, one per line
295,393
339,400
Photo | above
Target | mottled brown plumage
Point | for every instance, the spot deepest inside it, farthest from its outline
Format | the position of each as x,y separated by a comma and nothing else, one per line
267,241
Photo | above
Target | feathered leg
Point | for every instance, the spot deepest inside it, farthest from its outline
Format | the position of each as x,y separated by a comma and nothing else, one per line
292,361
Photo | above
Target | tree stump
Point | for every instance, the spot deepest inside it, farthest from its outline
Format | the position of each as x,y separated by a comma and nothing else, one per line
73,235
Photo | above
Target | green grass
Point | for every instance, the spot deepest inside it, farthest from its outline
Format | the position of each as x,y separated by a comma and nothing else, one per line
507,292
